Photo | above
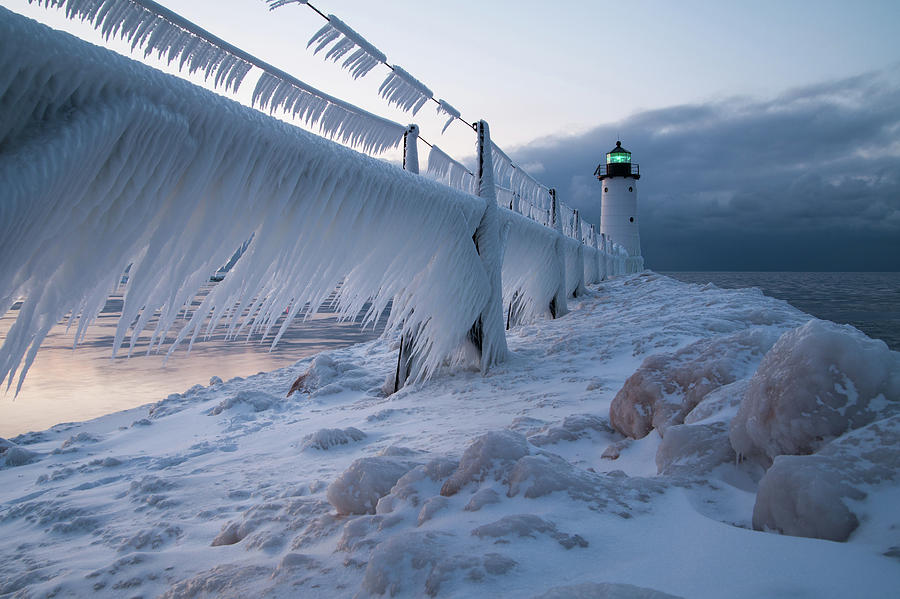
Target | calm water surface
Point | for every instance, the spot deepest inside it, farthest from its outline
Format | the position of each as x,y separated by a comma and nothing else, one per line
65,385
870,301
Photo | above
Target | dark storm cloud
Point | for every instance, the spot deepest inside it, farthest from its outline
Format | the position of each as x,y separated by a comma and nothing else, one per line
807,181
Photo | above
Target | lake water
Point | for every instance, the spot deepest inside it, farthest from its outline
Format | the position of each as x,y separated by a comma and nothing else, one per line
870,301
65,385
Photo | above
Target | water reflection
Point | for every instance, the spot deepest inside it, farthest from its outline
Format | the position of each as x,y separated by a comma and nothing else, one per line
65,385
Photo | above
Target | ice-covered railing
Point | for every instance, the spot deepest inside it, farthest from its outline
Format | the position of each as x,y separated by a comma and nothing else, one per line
164,163
152,27
107,163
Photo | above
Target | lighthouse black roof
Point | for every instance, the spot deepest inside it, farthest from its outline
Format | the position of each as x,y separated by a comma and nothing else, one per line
618,164
619,149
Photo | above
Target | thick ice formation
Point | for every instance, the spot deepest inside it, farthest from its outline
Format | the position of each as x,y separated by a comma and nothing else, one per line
99,147
820,495
818,382
363,56
668,386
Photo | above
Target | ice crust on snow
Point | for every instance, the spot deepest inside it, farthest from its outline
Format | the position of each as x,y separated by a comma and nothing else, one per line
603,590
137,511
818,382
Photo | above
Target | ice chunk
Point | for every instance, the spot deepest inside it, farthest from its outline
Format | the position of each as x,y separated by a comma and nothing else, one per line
528,525
807,495
667,387
358,489
694,449
819,381
494,452
18,456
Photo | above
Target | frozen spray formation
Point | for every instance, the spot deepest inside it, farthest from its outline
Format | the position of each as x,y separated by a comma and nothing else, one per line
110,165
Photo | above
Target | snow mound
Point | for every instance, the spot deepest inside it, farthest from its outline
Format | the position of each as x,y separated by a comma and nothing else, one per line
528,525
415,564
494,452
326,438
603,590
257,401
807,496
668,386
694,449
572,428
819,381
358,489
17,456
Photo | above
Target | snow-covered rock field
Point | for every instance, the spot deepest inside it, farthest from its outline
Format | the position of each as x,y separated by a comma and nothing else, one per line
746,423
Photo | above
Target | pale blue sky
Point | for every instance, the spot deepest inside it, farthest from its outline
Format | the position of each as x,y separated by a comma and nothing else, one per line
534,69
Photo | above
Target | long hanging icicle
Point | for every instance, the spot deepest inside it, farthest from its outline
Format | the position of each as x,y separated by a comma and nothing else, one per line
363,56
113,154
404,90
154,28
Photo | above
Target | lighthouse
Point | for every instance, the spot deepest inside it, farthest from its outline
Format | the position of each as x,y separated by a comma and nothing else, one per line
618,204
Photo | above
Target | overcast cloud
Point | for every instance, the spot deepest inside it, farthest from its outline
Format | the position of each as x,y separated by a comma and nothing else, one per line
809,180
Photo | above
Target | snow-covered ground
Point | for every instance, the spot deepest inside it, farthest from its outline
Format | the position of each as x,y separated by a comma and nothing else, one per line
496,485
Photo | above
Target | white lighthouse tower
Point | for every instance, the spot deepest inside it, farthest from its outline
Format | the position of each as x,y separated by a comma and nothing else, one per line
618,204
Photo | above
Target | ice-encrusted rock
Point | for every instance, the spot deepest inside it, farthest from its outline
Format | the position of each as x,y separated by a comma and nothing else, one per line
571,428
17,456
819,381
719,405
358,489
666,387
603,590
528,525
421,480
694,449
807,496
431,506
481,498
326,438
258,401
491,453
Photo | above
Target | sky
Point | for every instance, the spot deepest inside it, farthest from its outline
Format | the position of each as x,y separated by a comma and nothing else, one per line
767,132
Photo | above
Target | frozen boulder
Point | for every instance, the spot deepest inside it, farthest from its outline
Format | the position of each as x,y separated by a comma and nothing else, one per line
806,496
327,438
819,381
494,452
666,387
694,449
603,590
358,489
719,405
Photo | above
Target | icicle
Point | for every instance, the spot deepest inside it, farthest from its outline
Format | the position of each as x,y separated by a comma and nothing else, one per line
442,167
363,56
405,91
155,29
446,108
101,152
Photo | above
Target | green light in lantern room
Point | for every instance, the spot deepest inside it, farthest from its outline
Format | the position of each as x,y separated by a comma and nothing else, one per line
615,157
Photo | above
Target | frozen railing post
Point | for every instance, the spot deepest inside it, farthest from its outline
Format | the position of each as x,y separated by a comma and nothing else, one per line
558,306
405,355
487,333
579,288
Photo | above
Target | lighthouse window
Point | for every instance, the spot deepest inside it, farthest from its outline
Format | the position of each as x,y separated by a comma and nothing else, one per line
630,189
605,189
631,220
